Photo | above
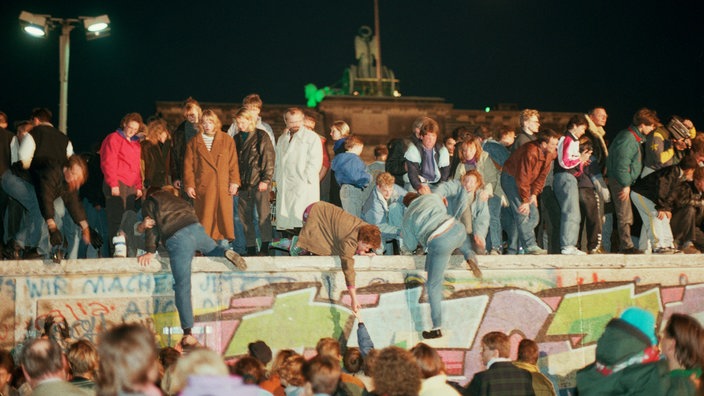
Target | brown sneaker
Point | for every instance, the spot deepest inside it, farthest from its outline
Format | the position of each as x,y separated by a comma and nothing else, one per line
472,264
690,250
188,341
236,259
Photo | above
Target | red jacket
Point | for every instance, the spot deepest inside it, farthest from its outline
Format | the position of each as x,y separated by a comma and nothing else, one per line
120,160
529,166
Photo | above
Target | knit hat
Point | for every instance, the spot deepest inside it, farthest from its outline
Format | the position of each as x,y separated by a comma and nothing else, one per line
642,320
261,351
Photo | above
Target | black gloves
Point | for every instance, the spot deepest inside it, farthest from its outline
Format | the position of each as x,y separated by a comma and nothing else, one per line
95,239
55,237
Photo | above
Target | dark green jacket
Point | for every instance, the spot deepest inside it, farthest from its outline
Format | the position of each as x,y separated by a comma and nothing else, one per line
620,342
625,161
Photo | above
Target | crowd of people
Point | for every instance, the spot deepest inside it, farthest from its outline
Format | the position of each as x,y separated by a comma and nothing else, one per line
521,190
205,189
526,190
631,359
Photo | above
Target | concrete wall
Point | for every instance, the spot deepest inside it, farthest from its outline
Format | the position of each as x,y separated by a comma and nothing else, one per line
561,302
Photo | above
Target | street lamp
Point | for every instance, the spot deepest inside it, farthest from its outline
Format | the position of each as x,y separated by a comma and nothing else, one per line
40,25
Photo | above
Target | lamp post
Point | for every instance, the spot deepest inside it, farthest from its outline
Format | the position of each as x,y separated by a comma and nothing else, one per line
39,26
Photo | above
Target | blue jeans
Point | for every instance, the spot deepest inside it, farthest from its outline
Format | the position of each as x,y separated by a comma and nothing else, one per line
495,230
69,229
440,249
182,247
98,220
567,194
525,223
352,199
36,233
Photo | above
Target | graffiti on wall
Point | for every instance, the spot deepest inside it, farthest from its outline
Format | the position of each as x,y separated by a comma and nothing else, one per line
234,309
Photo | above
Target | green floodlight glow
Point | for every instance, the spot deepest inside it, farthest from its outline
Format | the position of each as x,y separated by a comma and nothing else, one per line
315,95
487,109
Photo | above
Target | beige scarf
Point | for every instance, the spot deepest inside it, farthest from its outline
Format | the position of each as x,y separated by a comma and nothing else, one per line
598,132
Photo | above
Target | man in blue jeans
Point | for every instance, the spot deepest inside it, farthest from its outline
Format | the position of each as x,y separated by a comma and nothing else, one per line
522,179
173,221
426,222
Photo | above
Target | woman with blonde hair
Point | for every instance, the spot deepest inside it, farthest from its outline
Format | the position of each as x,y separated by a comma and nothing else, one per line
255,155
156,155
211,177
201,361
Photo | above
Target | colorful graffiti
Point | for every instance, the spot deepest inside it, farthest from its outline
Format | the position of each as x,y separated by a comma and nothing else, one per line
559,309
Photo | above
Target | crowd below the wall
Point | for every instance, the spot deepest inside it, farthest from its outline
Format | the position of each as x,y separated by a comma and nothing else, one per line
631,358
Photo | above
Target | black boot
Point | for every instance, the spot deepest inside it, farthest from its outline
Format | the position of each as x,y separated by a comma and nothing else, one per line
251,250
432,334
264,251
12,251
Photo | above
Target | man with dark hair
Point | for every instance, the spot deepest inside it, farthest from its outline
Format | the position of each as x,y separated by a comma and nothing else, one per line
179,138
528,354
569,165
55,172
42,148
330,231
427,163
3,120
655,196
522,179
623,167
44,367
173,222
688,215
501,376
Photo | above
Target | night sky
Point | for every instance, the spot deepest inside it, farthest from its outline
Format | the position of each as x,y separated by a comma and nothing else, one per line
549,55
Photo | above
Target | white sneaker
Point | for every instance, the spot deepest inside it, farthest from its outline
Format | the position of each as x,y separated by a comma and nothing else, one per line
573,251
120,248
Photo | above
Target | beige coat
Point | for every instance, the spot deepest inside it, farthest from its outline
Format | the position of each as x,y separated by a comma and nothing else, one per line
210,174
330,231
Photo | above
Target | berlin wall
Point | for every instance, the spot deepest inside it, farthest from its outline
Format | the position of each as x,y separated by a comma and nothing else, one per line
562,302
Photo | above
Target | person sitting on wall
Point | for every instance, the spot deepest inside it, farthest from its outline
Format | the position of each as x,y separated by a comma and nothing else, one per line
384,208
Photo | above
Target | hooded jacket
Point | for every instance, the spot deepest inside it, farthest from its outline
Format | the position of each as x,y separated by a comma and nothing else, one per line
626,364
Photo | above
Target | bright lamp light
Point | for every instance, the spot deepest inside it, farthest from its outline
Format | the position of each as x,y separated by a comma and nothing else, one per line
34,24
96,26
